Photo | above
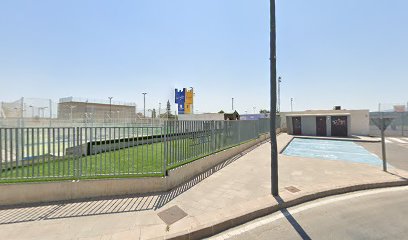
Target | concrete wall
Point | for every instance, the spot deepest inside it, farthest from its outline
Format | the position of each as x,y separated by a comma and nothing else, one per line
202,117
286,123
20,193
360,122
95,110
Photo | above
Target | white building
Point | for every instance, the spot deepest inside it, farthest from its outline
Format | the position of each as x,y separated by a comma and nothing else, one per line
340,123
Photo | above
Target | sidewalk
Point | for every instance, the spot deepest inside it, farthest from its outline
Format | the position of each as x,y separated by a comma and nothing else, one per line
218,197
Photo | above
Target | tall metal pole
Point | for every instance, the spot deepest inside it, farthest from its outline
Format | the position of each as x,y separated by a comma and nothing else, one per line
291,104
110,108
32,111
384,156
274,150
279,82
144,104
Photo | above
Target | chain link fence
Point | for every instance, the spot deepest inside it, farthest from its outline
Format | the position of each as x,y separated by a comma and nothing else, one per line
77,112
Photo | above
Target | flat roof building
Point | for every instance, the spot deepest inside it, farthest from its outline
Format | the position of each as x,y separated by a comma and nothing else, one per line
340,123
76,108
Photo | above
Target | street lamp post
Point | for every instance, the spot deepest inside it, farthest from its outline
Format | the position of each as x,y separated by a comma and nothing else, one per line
274,154
279,82
291,104
110,108
144,104
32,111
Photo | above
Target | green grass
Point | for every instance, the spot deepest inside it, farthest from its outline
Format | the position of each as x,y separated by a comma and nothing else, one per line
139,161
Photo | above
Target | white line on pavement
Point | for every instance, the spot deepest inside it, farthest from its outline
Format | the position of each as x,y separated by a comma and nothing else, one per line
397,140
267,220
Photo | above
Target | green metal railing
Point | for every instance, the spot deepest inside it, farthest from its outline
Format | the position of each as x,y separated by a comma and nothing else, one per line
35,154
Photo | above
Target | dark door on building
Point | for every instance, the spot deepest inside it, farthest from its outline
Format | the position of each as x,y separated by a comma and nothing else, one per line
339,126
297,125
321,126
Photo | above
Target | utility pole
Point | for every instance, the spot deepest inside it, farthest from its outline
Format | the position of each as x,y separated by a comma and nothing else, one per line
110,108
144,104
232,104
279,82
274,150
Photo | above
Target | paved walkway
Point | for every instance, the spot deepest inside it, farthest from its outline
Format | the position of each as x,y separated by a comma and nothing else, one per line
235,188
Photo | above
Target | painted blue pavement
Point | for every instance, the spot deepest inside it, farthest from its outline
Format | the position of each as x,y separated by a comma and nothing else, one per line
331,150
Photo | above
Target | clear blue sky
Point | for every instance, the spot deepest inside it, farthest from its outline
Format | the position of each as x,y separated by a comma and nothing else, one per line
352,53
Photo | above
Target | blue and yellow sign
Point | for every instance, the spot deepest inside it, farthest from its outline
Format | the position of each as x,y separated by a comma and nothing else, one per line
184,100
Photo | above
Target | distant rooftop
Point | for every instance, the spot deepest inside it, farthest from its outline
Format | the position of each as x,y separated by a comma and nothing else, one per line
95,101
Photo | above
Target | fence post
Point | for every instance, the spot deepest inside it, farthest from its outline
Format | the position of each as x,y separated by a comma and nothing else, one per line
164,127
213,136
239,131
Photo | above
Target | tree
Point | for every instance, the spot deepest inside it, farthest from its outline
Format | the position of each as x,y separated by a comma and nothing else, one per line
264,111
222,111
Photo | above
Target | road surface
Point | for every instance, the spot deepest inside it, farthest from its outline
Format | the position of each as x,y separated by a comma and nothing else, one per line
375,214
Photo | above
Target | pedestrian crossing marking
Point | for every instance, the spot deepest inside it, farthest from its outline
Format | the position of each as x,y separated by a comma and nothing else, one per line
397,140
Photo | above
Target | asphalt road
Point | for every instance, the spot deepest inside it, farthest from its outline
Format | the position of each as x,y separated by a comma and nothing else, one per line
375,214
397,155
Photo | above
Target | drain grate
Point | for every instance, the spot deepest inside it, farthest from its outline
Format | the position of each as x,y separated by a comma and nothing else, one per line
292,189
172,215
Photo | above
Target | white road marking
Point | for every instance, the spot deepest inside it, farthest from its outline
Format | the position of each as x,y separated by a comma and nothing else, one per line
406,139
267,220
387,141
397,140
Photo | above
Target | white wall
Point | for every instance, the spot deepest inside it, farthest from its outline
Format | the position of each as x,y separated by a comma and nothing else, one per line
203,117
358,121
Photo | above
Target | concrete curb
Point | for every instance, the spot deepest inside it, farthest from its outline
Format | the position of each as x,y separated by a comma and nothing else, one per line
261,211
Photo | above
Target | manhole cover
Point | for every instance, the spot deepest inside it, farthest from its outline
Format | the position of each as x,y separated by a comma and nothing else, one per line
172,215
292,189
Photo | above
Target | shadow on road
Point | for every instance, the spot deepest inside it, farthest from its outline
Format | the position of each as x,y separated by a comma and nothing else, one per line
302,233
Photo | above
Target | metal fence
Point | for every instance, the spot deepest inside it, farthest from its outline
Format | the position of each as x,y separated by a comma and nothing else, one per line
100,152
397,128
